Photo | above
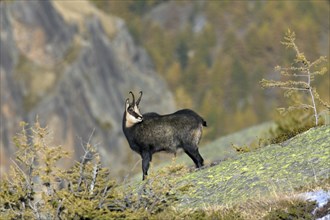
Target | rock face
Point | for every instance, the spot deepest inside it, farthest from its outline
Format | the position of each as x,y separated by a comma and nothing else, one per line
74,71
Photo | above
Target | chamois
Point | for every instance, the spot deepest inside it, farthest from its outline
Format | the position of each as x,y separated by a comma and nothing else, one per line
150,133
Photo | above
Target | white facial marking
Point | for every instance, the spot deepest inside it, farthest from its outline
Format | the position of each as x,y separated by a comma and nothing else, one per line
131,119
137,110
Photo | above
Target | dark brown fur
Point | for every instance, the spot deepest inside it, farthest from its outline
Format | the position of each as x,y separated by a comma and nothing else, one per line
182,129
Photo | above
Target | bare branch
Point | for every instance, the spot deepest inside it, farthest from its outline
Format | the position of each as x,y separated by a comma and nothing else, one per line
95,173
58,210
90,136
103,197
24,175
35,209
298,75
292,88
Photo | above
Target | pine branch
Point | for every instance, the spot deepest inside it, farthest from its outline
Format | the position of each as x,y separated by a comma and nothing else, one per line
297,85
324,103
300,106
35,210
318,61
28,181
320,72
59,210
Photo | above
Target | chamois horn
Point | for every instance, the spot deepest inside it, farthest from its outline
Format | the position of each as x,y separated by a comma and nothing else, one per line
133,102
139,99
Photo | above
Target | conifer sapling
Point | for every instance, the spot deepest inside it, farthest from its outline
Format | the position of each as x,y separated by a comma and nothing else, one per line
303,72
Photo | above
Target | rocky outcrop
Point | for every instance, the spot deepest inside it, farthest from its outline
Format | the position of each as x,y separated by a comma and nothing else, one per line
72,70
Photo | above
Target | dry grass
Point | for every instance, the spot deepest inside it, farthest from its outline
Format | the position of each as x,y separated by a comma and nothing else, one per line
250,210
260,207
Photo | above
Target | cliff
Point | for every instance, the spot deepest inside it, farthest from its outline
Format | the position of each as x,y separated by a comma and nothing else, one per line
72,66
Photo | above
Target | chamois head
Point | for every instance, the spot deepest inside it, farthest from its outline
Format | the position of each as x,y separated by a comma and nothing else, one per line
132,111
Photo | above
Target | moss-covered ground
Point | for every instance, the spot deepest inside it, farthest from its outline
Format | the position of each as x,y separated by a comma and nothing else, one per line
299,161
217,150
268,171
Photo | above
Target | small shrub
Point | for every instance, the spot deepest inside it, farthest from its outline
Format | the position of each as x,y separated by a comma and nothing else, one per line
291,210
289,125
305,71
297,118
37,188
241,149
323,211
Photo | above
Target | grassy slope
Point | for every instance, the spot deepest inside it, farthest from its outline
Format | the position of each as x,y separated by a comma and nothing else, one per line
219,149
272,169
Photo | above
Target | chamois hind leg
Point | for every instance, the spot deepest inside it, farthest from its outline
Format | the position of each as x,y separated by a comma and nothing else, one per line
199,159
194,154
146,158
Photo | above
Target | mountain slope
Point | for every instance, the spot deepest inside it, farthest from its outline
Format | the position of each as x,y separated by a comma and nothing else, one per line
272,182
276,168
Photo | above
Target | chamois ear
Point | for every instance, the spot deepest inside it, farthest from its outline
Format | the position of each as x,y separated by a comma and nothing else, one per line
127,103
139,99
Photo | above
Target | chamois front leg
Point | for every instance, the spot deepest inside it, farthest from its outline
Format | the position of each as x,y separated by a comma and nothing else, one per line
146,158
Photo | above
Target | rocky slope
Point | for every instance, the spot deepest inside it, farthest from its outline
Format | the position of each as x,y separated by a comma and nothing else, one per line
72,66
